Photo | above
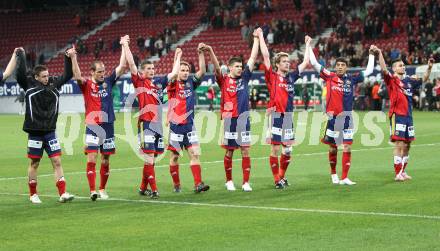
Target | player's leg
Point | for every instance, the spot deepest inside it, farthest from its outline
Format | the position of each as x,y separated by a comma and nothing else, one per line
53,149
35,152
174,170
194,155
284,162
398,154
405,159
227,161
246,167
91,150
59,179
274,165
92,156
32,174
104,174
107,148
230,137
346,163
332,159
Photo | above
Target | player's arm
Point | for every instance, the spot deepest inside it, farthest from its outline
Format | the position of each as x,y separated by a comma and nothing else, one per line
202,65
76,70
214,60
11,65
370,64
264,50
21,70
255,47
306,59
120,69
68,72
383,65
129,58
176,66
428,71
312,58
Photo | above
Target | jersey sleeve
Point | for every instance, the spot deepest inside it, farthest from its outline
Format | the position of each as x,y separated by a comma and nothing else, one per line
294,76
268,75
246,75
358,78
387,78
219,78
135,78
196,81
83,86
325,74
111,80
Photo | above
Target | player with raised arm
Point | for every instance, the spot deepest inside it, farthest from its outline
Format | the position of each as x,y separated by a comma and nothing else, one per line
280,134
339,99
399,87
149,92
11,65
99,119
42,94
234,88
183,135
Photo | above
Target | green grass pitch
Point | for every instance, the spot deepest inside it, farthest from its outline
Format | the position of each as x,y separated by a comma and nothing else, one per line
312,214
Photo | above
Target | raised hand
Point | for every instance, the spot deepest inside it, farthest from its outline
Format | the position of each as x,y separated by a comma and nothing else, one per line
201,47
125,40
307,40
431,62
178,52
71,52
256,32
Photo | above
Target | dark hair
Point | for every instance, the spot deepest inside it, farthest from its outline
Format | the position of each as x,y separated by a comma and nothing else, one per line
234,59
395,61
144,63
38,69
94,64
342,60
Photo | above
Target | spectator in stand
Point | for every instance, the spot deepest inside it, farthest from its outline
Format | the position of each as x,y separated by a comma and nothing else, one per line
376,104
159,46
140,41
383,94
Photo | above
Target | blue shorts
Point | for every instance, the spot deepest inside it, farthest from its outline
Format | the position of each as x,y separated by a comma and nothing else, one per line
280,131
401,128
237,132
182,137
100,137
151,137
39,141
338,130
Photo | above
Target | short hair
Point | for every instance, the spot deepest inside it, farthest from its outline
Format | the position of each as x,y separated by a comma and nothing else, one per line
144,63
234,59
94,64
278,56
395,61
38,69
341,60
185,63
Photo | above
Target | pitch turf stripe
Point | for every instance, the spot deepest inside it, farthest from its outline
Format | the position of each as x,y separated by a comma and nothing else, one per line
216,161
285,209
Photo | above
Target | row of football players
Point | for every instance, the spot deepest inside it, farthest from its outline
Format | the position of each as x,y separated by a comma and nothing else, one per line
42,91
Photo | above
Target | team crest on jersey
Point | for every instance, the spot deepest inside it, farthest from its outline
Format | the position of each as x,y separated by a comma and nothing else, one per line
281,78
104,85
348,82
231,81
188,85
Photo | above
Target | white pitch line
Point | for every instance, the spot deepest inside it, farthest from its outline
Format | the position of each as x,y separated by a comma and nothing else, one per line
285,209
216,161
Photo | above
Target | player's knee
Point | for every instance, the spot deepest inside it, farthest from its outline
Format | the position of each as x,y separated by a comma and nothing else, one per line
245,151
275,150
35,163
174,158
92,157
149,159
287,150
347,148
333,150
229,153
105,159
56,162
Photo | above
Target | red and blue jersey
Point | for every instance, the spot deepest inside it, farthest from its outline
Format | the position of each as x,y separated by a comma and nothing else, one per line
340,91
234,94
181,100
98,100
150,96
399,91
281,90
